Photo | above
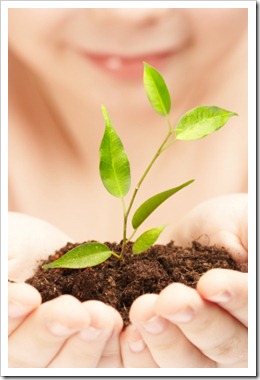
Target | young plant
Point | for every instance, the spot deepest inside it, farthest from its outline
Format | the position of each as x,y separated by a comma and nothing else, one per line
116,177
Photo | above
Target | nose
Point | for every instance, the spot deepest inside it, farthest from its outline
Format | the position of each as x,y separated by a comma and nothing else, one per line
136,16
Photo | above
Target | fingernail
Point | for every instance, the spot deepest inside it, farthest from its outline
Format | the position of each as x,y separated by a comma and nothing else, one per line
155,325
135,341
17,310
137,346
182,316
90,333
60,330
221,297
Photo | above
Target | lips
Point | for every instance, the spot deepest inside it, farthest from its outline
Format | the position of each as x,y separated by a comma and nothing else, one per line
125,67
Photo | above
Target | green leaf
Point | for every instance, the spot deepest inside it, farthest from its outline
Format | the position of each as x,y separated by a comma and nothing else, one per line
156,90
85,255
201,121
114,165
152,203
147,239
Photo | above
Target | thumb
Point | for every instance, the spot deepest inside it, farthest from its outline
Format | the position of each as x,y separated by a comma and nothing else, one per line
222,221
30,240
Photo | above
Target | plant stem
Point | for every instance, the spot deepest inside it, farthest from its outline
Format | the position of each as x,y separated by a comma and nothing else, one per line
124,229
170,144
116,255
126,212
157,154
131,237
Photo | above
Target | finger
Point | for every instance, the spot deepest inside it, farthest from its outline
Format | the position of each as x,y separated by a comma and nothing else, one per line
227,288
167,344
232,243
215,332
84,349
216,237
111,356
221,221
135,353
22,300
39,338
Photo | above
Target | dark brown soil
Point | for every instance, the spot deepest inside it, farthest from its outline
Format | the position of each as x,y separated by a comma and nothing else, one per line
119,282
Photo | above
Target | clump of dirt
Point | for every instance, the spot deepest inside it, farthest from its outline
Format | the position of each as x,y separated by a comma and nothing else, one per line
119,282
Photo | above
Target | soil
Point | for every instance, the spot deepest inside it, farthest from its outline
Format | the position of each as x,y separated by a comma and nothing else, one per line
119,282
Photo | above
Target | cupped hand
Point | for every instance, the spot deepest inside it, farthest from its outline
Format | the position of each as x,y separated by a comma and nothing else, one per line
63,332
222,221
204,327
187,328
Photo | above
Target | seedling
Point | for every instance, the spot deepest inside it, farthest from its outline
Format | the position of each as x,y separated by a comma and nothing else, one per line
115,171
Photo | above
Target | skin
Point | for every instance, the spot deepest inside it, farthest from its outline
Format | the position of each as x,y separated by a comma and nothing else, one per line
208,324
53,145
211,320
84,335
56,82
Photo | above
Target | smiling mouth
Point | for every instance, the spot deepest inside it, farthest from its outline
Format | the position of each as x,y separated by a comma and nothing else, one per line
126,67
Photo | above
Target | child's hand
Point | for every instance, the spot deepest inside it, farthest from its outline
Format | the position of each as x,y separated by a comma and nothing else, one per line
222,221
29,241
60,333
184,327
206,327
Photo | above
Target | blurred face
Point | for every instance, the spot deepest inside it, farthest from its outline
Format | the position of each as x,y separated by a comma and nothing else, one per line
95,53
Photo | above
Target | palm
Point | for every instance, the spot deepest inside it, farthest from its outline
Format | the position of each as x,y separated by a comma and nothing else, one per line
29,241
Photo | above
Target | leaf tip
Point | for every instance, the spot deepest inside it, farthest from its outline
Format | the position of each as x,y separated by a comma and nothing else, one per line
104,113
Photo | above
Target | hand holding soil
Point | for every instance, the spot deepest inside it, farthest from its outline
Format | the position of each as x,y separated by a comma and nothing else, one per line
183,307
223,317
210,323
226,226
38,331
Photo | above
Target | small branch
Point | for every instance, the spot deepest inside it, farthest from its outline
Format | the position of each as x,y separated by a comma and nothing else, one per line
124,228
116,255
162,147
157,154
170,144
131,237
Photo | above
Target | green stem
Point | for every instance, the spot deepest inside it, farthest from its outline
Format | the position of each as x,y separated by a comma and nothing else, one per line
170,144
124,229
116,255
131,237
126,212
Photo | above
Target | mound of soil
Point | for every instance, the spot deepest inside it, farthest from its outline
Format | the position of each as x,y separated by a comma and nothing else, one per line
119,282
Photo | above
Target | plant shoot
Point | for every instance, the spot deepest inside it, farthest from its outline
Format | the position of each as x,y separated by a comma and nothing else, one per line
115,171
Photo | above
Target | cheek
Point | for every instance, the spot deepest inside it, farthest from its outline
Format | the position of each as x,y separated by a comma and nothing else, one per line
224,23
31,32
